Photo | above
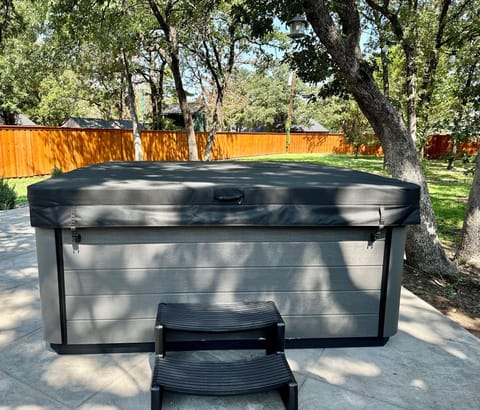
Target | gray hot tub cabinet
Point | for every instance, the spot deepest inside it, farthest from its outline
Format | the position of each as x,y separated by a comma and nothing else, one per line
115,239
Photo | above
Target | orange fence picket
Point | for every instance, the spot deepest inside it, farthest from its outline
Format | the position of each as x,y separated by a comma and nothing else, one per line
28,151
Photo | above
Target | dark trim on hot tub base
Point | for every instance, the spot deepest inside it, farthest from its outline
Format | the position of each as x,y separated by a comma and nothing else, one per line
335,342
102,348
217,345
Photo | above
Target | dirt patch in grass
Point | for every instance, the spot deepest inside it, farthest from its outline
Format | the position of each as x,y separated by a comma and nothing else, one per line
457,298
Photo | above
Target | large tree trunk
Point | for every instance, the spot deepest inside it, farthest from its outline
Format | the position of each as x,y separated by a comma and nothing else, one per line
411,72
155,81
423,247
172,56
213,131
132,108
185,108
469,247
221,78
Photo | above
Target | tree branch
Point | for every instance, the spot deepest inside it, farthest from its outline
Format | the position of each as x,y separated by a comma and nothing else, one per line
343,46
158,15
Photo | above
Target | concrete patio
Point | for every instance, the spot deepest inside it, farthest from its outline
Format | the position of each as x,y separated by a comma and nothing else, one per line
432,363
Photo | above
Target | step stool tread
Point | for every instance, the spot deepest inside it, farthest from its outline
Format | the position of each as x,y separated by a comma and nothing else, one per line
259,374
225,317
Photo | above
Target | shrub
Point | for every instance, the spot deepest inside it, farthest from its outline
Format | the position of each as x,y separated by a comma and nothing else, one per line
8,195
56,171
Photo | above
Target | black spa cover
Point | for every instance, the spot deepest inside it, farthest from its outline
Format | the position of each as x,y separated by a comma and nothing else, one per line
121,194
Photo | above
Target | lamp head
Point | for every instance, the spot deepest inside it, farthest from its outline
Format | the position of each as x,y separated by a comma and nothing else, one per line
297,26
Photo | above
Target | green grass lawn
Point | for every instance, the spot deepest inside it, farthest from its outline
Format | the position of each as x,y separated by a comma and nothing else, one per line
20,186
449,189
362,163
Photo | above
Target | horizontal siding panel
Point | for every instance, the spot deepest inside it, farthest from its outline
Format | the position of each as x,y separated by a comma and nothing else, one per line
138,281
141,330
110,331
341,326
288,303
222,255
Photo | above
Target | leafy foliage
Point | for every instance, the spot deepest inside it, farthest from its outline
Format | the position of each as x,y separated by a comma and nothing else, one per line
260,100
7,195
356,128
56,171
10,20
19,68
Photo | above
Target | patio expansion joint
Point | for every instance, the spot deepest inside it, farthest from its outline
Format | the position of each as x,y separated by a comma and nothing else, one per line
27,283
32,388
105,386
19,339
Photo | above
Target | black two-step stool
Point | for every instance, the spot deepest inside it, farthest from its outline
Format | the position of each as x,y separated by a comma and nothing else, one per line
220,378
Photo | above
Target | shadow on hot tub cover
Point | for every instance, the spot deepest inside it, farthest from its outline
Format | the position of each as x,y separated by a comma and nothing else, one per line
120,194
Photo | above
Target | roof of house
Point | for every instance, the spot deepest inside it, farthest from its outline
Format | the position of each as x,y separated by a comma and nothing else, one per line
79,122
175,108
313,126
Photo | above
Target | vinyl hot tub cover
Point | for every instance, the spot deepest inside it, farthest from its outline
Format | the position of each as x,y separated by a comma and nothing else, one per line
129,194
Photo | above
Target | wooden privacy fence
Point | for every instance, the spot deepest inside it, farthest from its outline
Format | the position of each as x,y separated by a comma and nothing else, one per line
440,146
28,151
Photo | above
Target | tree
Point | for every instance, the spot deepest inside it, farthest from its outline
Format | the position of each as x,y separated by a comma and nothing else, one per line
18,76
10,20
407,35
60,98
469,246
338,27
260,100
217,51
355,127
429,34
221,44
173,17
218,48
468,109
137,139
463,83
155,74
111,29
341,38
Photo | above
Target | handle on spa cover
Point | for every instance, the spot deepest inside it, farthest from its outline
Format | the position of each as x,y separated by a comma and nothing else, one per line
229,195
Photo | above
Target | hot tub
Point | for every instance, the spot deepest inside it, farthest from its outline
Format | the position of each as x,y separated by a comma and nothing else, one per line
115,239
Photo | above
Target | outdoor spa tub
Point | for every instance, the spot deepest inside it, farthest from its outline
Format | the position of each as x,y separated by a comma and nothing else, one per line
115,239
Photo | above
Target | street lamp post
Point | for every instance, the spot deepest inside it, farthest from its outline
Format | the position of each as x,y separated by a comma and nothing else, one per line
297,26
288,124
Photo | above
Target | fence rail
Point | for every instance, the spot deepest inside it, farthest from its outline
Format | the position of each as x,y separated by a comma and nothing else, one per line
29,151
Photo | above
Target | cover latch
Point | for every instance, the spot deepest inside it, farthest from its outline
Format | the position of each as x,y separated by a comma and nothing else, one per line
76,237
378,234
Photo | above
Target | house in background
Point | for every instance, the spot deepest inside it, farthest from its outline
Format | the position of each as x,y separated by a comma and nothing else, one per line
79,122
313,126
173,113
